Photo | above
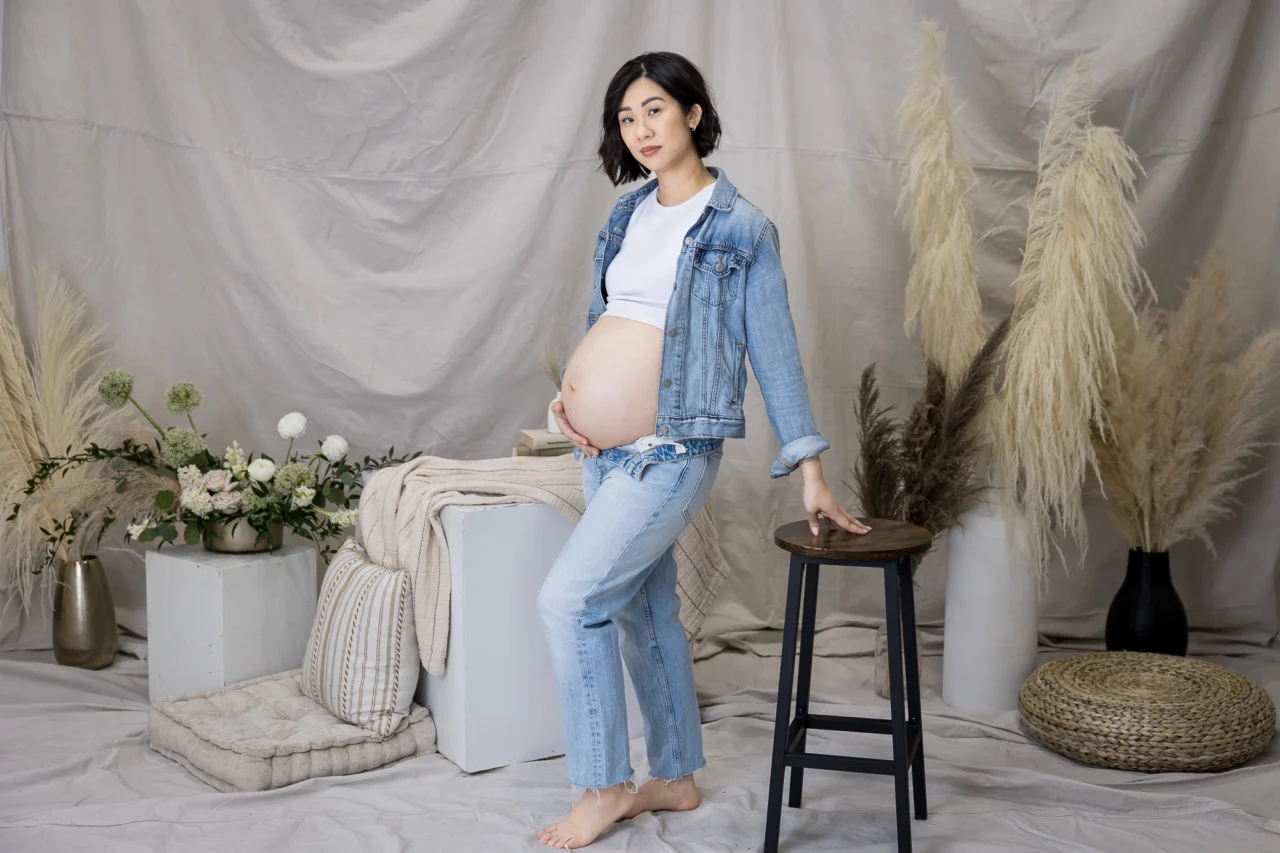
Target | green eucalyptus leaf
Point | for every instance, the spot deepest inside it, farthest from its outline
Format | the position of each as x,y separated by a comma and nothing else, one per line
164,499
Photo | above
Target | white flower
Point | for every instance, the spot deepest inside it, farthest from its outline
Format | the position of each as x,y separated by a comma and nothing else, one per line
303,496
235,460
197,500
226,501
217,480
136,530
334,448
189,477
292,425
346,517
262,470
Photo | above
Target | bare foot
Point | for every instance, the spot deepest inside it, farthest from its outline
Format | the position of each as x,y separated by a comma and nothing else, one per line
586,820
659,795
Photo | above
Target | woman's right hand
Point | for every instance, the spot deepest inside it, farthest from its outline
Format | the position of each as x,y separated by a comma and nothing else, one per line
580,440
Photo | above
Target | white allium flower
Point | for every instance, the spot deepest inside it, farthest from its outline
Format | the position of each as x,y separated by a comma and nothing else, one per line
292,425
335,447
226,501
346,517
262,470
303,496
197,500
217,480
136,530
189,476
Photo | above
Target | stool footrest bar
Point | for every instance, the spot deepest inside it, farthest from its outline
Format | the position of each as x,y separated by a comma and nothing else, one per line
915,740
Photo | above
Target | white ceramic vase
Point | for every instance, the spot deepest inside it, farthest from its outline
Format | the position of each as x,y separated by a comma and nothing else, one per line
552,426
992,616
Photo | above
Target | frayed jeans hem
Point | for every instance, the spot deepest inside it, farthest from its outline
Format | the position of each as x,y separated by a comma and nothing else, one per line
669,779
629,780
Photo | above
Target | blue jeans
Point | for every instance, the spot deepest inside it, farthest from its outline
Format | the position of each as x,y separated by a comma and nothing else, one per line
613,588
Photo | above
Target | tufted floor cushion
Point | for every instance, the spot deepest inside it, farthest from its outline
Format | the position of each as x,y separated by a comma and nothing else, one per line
264,733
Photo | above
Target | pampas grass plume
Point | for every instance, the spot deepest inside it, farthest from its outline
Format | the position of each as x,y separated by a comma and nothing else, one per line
942,292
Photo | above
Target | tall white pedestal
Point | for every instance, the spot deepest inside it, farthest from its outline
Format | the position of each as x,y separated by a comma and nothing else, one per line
217,619
497,703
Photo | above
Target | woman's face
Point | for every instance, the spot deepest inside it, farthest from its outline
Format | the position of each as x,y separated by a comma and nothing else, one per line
653,126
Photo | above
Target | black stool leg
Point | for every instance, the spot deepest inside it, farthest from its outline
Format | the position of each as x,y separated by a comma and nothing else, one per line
782,718
915,724
806,669
898,717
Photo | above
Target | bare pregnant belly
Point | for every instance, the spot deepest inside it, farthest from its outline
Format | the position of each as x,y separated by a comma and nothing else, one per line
610,388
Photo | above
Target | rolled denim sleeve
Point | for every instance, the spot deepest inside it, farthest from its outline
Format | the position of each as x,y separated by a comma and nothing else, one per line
775,357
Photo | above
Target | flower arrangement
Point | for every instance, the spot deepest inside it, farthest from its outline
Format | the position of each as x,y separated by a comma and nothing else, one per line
310,493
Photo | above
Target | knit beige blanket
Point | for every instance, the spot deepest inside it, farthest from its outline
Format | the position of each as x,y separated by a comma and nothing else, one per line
400,526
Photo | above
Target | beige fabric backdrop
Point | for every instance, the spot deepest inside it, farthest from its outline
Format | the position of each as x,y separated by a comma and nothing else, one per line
379,213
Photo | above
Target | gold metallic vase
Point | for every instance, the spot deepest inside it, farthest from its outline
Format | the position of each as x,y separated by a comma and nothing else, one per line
238,537
84,616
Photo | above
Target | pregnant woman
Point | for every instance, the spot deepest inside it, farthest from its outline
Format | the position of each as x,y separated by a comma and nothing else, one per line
688,282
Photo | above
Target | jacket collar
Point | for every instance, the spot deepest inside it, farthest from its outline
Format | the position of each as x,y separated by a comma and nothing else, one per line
722,197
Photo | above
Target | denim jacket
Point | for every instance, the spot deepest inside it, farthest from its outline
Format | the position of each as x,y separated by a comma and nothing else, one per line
729,302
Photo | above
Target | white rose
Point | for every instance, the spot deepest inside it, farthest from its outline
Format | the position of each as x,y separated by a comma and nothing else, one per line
334,448
262,470
292,425
217,480
303,496
226,501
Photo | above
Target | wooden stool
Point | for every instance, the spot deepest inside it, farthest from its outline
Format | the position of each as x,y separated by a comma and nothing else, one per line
889,546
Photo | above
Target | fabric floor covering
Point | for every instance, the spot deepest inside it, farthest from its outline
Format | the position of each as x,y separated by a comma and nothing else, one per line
76,773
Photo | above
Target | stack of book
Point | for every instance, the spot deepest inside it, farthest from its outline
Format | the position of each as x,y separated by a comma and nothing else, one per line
542,442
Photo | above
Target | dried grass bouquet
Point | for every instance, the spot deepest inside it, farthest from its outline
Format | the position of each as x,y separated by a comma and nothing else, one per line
1184,411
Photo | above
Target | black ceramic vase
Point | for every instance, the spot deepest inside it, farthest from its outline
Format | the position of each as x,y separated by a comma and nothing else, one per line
1146,615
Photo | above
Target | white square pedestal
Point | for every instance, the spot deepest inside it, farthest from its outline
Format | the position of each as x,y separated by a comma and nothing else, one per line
216,619
497,702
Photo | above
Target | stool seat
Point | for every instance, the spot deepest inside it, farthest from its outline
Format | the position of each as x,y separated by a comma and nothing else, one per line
888,540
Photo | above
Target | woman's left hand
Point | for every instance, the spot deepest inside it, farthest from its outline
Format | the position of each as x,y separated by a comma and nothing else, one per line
819,502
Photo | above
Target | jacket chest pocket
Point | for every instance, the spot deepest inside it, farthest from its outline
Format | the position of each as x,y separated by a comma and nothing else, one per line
717,276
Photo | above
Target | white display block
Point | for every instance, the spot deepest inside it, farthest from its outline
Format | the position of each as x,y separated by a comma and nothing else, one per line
497,702
217,619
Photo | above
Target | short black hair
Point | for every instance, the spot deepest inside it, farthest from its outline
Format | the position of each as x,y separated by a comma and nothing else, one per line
683,81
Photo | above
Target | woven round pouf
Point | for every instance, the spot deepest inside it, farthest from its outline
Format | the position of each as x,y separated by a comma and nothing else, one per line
1147,712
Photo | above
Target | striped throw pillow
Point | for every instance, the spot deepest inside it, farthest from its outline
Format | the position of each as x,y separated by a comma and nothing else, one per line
362,658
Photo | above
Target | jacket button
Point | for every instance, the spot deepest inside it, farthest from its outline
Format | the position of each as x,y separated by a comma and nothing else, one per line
666,429
688,241
666,383
719,266
671,333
